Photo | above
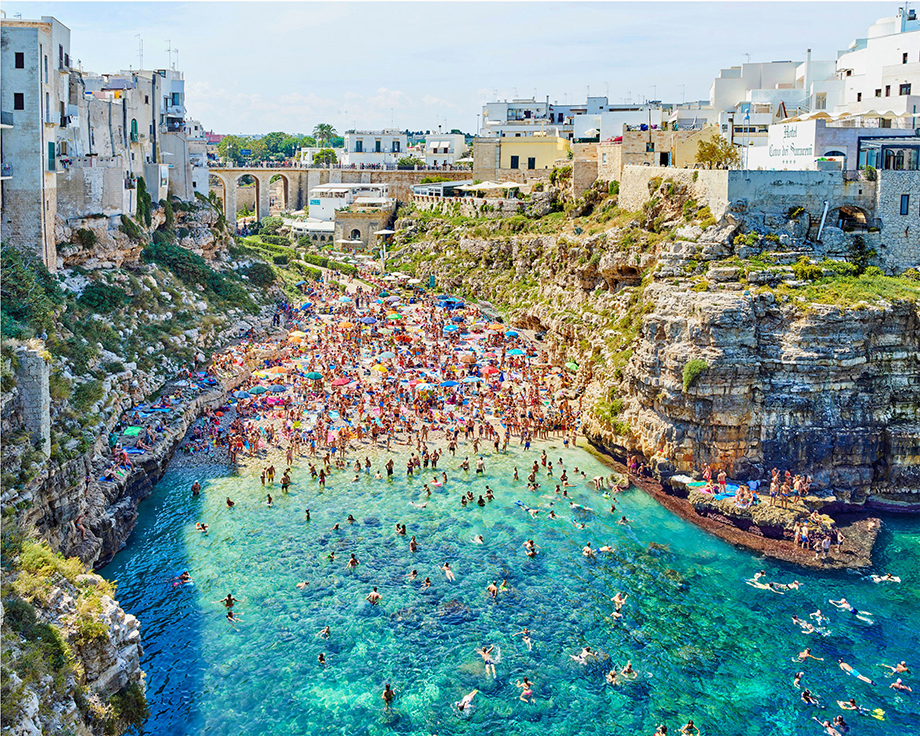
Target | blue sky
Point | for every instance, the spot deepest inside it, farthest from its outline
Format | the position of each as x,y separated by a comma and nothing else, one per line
254,67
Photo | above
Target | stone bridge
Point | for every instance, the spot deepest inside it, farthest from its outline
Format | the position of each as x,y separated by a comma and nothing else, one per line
297,183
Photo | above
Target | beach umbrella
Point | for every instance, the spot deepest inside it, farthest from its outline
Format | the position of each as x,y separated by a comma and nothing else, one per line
457,318
472,379
344,299
386,356
276,369
341,381
315,376
256,390
490,370
379,368
511,333
516,351
277,388
572,366
242,394
346,325
392,299
423,386
495,327
369,320
449,384
394,316
450,328
305,306
467,358
297,333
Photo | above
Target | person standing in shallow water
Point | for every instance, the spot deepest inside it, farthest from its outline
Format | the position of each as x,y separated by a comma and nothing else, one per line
388,695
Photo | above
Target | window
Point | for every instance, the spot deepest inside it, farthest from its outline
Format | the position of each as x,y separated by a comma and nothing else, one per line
60,57
904,58
603,158
47,107
19,101
887,90
45,78
878,93
134,135
377,146
395,146
859,96
146,99
650,147
359,146
515,162
821,101
20,60
905,204
531,163
51,157
904,89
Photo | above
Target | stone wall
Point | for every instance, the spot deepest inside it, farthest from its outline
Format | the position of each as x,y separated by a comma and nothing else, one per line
32,375
97,189
705,186
899,247
491,208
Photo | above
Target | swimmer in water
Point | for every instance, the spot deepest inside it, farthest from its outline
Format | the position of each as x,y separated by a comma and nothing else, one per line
477,539
898,668
230,504
373,597
526,687
467,702
796,681
819,617
302,584
413,575
201,527
802,656
690,729
587,551
448,573
806,627
492,590
525,637
623,520
185,577
426,583
899,685
584,655
196,488
387,696
628,672
324,633
321,659
353,562
413,545
612,678
229,600
486,654
233,618
269,501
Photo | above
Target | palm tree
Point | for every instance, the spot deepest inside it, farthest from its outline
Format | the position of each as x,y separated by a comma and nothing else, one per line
324,133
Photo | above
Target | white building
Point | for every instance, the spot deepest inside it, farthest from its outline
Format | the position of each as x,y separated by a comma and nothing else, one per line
36,102
881,72
610,122
374,148
327,199
444,149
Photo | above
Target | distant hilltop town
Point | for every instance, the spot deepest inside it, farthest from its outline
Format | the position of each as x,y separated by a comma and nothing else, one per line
78,144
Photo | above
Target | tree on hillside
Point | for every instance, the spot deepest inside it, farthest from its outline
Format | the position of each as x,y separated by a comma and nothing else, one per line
324,133
324,156
232,147
717,153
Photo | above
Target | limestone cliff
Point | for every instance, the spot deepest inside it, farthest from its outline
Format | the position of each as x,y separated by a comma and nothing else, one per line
728,343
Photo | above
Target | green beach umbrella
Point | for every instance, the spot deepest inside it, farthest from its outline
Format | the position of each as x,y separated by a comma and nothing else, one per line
258,390
572,366
315,376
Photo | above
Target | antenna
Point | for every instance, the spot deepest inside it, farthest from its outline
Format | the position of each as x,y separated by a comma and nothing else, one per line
748,57
175,63
140,51
607,90
168,52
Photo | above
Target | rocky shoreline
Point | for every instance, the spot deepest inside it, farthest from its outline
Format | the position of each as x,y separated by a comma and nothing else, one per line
859,531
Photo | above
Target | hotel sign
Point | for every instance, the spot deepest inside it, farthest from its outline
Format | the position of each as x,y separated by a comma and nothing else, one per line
792,145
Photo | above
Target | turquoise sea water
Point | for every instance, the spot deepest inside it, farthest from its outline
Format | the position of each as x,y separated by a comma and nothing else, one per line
706,645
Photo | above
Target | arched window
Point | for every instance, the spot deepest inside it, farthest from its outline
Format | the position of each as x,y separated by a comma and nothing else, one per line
355,235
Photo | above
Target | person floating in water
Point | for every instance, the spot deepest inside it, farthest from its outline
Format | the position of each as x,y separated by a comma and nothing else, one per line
466,703
525,637
486,654
373,597
229,600
526,687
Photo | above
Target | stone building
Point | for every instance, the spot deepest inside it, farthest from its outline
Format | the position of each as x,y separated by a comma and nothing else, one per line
35,99
649,148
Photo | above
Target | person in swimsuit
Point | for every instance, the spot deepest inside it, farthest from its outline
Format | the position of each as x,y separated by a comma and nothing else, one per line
526,687
808,655
486,654
387,696
196,488
690,729
448,573
525,634
466,702
229,600
373,597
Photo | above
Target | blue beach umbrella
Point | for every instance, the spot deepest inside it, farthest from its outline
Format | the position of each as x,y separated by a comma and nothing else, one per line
449,384
516,351
369,320
451,328
387,355
511,333
277,388
242,395
472,379
344,299
256,390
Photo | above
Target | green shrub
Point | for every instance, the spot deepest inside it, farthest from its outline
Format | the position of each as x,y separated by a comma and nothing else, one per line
280,260
143,203
794,212
86,237
613,188
270,226
182,232
805,270
277,240
841,268
103,298
261,274
873,271
130,709
87,394
130,228
29,295
163,236
170,222
692,369
912,274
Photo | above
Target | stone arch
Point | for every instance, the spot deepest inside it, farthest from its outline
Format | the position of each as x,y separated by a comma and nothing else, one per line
850,217
241,180
220,180
280,192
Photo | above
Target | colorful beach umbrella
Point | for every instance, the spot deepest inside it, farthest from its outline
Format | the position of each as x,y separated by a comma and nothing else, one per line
369,320
256,390
472,379
388,355
341,381
516,351
344,299
394,316
572,366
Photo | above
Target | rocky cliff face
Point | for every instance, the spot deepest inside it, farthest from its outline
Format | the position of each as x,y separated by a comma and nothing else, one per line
820,377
